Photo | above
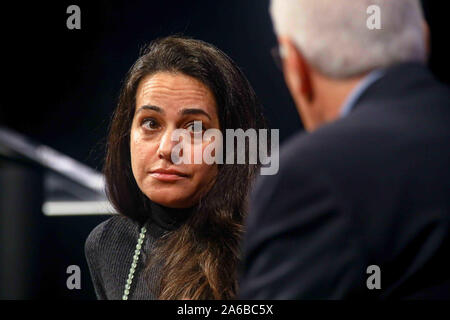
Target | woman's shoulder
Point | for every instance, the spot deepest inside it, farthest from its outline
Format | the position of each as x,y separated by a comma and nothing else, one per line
106,235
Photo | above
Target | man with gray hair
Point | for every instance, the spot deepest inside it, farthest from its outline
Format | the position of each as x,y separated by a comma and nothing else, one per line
360,207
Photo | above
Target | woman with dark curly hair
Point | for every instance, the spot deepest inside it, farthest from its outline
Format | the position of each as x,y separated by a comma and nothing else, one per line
178,232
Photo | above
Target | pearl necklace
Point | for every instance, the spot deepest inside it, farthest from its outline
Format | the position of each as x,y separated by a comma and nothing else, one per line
137,252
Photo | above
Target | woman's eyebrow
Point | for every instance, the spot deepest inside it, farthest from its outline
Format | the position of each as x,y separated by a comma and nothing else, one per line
194,111
185,111
154,108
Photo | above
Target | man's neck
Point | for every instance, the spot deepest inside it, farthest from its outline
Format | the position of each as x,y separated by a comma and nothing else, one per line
332,94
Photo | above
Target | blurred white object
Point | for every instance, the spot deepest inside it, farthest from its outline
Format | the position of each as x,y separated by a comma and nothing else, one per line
71,188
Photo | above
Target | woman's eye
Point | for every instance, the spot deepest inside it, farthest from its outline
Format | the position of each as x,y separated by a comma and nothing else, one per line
150,124
195,128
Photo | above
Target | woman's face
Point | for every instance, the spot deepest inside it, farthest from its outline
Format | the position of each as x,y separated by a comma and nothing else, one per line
166,102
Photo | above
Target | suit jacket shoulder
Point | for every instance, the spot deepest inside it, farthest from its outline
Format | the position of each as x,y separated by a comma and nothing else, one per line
377,181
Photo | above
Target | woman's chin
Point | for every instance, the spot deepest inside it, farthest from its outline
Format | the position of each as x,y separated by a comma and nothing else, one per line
171,202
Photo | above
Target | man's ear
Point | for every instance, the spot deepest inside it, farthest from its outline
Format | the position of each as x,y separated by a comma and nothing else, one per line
296,71
427,36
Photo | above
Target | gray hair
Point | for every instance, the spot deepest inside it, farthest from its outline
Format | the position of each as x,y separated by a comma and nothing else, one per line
334,38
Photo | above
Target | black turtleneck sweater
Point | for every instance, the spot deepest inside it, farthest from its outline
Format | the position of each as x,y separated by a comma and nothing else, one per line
110,247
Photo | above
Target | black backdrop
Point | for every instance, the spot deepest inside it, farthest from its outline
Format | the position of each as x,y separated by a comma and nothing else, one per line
60,86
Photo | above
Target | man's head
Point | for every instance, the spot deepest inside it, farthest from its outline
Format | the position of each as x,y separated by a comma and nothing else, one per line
327,47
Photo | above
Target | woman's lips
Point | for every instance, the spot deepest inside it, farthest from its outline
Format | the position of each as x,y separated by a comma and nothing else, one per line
167,176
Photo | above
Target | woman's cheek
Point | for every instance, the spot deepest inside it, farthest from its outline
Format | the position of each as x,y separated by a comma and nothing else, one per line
142,159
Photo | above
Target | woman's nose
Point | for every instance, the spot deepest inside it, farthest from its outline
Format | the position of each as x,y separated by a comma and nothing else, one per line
166,145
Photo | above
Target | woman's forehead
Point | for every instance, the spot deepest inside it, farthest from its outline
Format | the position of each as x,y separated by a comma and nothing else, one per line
174,90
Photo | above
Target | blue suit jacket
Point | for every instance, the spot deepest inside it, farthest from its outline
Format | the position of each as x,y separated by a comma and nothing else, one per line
372,188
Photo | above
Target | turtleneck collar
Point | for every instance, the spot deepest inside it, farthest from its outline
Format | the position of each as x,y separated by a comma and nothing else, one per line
168,219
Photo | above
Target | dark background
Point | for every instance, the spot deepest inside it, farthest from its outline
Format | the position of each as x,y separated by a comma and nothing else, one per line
60,86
